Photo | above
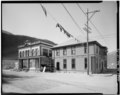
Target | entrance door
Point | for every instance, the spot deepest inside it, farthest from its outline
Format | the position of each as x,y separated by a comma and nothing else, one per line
92,64
58,66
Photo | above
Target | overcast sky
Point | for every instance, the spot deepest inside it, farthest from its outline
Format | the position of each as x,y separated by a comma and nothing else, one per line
29,19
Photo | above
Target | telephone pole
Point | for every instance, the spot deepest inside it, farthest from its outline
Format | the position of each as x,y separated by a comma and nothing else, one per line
88,31
87,45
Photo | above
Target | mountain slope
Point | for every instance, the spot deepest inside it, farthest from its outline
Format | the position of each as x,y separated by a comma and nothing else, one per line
10,42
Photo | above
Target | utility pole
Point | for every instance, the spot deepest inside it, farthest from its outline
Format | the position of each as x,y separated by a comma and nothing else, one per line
87,45
88,31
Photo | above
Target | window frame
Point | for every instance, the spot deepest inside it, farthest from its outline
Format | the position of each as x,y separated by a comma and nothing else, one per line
85,63
58,52
73,50
64,63
64,51
46,53
85,49
50,53
73,63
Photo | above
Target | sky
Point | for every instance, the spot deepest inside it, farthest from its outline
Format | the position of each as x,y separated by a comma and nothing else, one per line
30,19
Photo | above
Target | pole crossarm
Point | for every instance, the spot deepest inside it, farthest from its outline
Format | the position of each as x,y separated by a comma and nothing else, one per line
93,11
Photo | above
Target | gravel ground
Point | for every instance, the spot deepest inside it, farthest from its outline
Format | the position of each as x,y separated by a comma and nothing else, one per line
38,82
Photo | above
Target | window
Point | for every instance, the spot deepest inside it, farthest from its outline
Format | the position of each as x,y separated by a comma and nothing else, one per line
85,49
96,62
57,52
64,63
32,52
28,52
85,63
97,49
73,63
36,51
45,52
50,53
23,53
64,51
20,54
92,59
100,51
73,50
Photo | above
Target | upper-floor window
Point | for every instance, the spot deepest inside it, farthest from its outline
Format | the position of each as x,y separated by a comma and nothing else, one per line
20,54
57,52
45,52
97,49
100,51
36,51
50,53
32,52
73,63
85,63
23,53
64,63
28,52
64,51
73,51
85,49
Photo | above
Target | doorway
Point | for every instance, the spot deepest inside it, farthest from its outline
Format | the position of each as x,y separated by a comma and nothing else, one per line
58,66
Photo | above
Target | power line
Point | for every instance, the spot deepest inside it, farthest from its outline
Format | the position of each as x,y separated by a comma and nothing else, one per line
49,14
91,22
46,11
72,18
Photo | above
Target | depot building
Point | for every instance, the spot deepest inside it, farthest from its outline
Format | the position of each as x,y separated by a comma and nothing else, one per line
72,56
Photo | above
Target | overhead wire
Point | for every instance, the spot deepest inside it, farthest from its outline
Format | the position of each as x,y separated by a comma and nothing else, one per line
57,21
72,18
91,23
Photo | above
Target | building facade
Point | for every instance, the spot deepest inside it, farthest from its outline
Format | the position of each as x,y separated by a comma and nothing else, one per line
73,57
35,56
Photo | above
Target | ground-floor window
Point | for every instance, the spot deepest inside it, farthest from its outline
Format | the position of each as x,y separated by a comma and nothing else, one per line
96,63
64,63
85,60
73,63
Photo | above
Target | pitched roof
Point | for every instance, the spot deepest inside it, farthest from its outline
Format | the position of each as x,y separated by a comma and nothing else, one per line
73,42
26,44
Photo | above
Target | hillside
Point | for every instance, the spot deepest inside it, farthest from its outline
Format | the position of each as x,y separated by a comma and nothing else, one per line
10,42
112,60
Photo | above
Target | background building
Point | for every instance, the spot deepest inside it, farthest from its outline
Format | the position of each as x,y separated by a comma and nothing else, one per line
112,60
35,56
71,56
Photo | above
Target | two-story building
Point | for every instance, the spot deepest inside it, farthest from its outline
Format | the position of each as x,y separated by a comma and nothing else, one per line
35,56
72,56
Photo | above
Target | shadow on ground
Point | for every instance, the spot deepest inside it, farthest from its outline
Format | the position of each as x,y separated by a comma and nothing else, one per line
110,71
6,78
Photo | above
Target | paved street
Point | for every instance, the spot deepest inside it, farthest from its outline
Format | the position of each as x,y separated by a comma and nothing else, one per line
38,82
